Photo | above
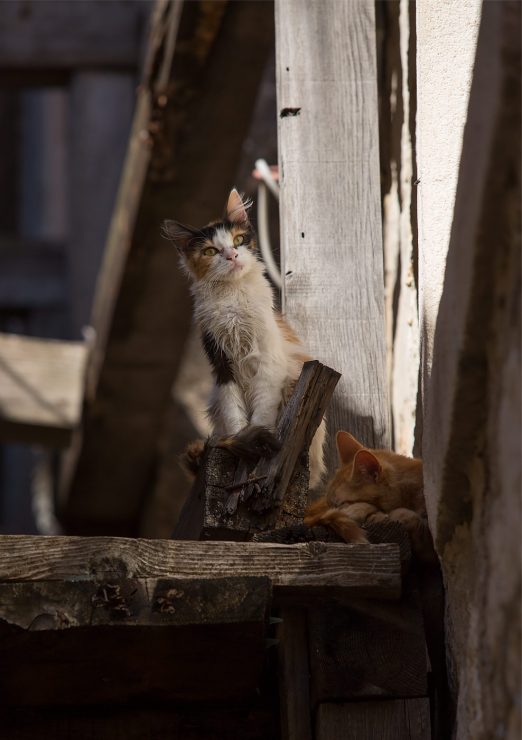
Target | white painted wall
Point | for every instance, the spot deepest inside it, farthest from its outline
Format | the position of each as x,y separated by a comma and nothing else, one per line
446,44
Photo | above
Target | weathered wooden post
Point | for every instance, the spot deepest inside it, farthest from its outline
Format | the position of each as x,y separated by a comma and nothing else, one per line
333,294
331,242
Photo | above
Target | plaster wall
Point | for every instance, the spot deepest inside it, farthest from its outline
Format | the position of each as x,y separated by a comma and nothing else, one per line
468,153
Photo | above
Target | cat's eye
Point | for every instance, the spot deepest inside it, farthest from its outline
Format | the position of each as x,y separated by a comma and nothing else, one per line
210,251
238,240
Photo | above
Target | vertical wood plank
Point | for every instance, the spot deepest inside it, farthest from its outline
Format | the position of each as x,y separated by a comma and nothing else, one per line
400,719
101,113
294,672
330,201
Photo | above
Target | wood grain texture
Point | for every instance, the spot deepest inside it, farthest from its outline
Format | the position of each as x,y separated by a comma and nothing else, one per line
296,427
402,719
41,389
216,508
365,570
330,202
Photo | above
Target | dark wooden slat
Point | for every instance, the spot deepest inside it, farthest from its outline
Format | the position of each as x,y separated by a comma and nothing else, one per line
294,678
228,721
142,307
365,649
128,639
402,719
39,34
308,569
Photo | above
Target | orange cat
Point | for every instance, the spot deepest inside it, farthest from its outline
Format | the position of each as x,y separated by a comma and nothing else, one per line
372,486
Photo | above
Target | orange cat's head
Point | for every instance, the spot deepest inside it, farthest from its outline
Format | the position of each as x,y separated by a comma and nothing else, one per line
378,477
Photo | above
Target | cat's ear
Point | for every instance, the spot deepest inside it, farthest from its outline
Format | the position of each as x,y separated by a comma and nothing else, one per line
347,446
178,233
366,466
236,210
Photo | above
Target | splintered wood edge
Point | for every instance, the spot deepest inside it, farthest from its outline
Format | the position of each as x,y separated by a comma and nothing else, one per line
372,571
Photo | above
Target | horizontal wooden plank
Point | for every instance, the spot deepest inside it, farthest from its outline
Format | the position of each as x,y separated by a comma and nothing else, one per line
41,389
230,720
40,34
402,719
131,639
367,649
94,602
308,569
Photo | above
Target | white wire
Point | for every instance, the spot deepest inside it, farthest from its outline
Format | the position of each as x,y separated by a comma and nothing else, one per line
267,177
264,237
262,220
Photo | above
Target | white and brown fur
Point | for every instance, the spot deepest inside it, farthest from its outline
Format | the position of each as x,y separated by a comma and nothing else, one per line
255,356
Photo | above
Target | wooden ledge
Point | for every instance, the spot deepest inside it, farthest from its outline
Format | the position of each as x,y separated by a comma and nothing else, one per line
106,620
365,571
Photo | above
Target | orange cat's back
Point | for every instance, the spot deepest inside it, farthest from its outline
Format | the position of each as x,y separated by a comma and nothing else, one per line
370,485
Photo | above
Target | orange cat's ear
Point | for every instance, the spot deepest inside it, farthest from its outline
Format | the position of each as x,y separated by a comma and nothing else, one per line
236,211
366,466
179,234
347,446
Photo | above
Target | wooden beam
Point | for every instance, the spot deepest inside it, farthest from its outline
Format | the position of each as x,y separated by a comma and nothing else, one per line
100,115
330,202
308,569
407,719
131,639
142,306
41,389
365,649
294,676
195,721
44,34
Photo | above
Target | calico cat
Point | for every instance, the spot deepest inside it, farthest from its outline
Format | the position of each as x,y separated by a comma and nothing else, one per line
255,356
371,486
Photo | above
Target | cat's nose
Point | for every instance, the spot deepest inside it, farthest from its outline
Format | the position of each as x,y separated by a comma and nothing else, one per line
231,253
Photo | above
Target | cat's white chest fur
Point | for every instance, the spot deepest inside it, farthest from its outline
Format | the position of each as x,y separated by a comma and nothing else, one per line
240,318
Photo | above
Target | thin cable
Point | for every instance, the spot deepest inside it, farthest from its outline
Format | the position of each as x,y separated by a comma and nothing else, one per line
264,236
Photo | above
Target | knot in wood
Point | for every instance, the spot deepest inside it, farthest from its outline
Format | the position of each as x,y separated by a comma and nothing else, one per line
317,548
109,567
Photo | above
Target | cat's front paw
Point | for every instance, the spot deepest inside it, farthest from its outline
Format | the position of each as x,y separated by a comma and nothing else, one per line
252,443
